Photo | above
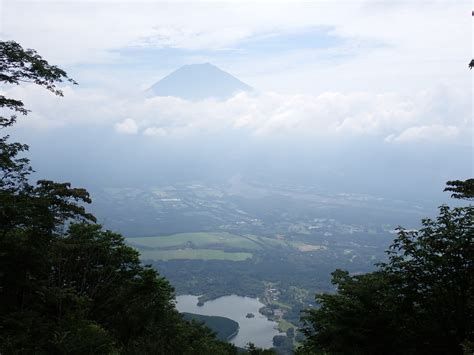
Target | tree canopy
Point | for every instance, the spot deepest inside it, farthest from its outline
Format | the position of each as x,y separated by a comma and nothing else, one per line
418,302
18,65
463,190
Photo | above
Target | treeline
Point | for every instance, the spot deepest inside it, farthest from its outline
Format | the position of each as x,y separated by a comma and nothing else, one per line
66,285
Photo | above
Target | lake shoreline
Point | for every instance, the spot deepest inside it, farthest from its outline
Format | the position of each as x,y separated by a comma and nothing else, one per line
201,302
259,329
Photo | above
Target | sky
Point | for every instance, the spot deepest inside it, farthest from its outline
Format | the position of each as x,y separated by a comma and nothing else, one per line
391,68
394,72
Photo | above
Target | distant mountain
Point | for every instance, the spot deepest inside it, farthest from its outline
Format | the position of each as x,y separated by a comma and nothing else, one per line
198,82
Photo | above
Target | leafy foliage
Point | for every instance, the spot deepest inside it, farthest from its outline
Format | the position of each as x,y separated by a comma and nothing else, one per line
89,293
253,350
18,65
419,302
461,189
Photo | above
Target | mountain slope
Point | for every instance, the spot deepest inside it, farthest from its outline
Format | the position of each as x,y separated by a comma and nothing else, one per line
198,82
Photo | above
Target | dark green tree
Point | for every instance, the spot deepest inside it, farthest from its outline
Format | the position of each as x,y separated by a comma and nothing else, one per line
433,270
18,65
30,215
253,350
359,319
463,190
418,302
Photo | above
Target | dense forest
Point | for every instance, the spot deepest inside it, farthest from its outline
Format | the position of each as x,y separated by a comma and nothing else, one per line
69,287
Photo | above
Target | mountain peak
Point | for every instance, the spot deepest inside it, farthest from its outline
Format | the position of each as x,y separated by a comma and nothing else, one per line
198,82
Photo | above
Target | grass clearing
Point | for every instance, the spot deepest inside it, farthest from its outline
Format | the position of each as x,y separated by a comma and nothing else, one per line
196,240
284,325
195,254
307,247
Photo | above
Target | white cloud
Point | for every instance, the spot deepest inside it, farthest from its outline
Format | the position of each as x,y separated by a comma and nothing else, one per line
77,107
127,126
436,133
441,114
154,132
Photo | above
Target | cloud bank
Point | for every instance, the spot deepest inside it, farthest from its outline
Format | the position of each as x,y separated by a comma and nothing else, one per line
438,115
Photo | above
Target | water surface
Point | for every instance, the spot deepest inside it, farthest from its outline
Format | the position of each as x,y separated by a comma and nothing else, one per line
258,330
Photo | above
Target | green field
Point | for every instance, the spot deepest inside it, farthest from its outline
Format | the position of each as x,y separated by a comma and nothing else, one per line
284,325
195,240
303,247
210,246
202,254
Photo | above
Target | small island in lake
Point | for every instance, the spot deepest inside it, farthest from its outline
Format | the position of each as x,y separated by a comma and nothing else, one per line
250,315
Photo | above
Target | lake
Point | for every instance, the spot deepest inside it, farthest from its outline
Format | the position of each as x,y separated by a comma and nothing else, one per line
258,330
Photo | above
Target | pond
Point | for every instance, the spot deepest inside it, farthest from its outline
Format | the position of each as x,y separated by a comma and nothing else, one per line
258,330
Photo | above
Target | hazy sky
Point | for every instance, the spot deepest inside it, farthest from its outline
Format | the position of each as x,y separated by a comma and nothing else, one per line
396,70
